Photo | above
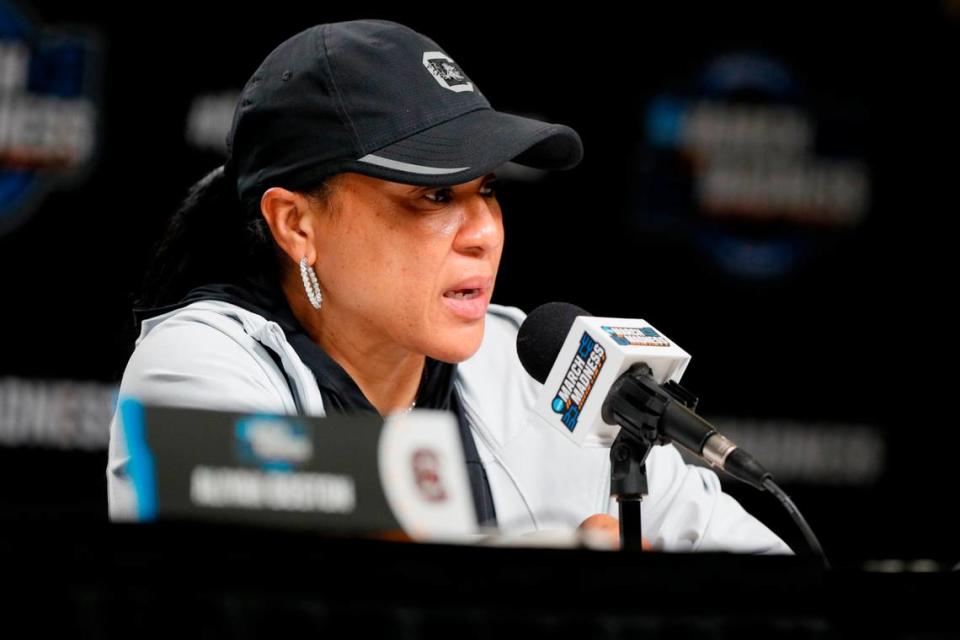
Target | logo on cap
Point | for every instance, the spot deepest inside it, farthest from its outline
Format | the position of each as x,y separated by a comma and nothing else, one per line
446,71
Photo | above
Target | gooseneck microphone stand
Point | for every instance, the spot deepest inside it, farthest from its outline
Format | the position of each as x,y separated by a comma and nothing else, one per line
646,413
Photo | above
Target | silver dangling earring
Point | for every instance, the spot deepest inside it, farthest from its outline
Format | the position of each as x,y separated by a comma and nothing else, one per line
310,283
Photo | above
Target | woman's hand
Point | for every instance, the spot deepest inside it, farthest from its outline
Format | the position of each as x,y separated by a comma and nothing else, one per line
609,527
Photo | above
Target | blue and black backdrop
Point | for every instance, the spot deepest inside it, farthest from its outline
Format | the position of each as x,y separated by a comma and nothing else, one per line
771,187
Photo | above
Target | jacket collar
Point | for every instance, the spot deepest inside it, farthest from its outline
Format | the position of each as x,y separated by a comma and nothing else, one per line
340,392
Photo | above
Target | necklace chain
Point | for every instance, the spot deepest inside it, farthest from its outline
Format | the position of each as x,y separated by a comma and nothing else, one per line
414,403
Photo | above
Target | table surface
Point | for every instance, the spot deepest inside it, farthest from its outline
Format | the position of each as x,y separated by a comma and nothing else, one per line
111,579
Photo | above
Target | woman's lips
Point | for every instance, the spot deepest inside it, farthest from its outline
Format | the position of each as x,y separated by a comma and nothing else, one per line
472,305
468,303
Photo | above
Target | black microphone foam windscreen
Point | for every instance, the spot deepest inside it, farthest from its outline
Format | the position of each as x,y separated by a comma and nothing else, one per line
542,334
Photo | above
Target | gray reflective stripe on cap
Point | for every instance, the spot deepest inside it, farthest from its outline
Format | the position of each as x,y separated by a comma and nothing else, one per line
406,166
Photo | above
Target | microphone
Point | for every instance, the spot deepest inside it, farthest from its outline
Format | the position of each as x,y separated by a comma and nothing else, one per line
604,374
601,375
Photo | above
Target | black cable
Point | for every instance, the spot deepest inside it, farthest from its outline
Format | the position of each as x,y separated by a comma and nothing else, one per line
791,508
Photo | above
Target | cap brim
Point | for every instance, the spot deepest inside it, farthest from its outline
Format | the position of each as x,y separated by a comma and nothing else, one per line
470,146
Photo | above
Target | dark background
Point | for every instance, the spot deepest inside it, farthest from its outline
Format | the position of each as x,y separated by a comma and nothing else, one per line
854,334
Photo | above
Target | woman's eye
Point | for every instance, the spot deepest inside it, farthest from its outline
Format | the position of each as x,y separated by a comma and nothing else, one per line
444,194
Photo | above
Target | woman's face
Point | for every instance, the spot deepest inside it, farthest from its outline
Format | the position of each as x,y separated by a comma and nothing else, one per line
395,261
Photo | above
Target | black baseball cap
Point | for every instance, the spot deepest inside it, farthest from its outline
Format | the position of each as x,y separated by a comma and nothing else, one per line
376,97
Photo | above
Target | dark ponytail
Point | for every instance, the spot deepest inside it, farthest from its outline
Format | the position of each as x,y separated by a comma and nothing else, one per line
213,238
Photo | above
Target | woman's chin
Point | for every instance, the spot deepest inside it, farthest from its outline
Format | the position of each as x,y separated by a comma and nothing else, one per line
459,345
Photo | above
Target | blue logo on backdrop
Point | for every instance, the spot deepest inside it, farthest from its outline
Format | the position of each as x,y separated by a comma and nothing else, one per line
757,169
47,114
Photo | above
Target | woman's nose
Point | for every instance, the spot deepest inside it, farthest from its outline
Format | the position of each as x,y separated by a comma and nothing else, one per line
482,228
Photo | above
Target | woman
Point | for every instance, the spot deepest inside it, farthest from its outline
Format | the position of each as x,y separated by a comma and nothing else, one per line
344,258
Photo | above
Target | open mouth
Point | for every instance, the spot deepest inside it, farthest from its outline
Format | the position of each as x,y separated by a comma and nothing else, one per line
462,294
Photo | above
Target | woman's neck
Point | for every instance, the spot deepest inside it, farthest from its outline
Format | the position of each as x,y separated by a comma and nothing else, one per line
387,374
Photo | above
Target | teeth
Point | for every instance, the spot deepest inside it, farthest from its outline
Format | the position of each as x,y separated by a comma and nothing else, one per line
471,293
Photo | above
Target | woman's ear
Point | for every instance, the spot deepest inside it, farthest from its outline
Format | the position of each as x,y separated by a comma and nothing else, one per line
290,218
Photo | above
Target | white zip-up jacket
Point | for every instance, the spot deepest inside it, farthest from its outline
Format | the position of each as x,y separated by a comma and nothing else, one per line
211,354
